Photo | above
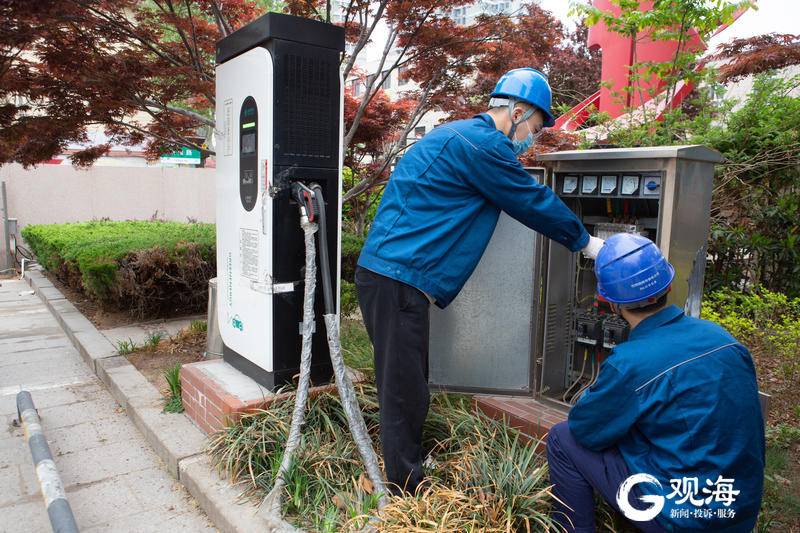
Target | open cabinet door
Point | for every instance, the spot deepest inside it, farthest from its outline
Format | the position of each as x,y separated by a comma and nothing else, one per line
487,338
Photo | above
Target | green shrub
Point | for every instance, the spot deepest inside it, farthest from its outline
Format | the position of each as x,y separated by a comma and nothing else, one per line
152,341
782,436
150,267
760,318
356,346
349,302
351,249
198,326
124,347
755,238
482,473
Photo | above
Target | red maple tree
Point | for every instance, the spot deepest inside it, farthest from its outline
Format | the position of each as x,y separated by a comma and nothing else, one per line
744,57
143,70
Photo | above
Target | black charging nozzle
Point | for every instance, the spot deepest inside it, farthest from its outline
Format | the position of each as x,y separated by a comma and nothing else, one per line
312,208
305,199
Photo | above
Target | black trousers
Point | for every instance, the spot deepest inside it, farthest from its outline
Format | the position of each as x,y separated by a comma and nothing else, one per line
396,316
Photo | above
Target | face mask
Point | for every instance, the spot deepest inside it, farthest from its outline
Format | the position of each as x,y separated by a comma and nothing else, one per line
520,147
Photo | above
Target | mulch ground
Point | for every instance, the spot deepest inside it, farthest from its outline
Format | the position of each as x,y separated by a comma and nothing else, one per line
101,317
784,403
186,347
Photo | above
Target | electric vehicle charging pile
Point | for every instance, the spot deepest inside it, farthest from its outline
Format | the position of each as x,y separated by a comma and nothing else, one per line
279,130
279,167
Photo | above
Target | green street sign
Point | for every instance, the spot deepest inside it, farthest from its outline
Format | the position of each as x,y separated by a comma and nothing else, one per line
184,156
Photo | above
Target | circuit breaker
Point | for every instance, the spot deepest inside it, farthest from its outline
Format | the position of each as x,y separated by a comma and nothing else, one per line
530,321
279,120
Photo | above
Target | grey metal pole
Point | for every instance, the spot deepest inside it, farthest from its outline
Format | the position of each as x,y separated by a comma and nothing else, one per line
8,259
58,509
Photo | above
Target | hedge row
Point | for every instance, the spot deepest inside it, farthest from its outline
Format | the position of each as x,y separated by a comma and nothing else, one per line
152,268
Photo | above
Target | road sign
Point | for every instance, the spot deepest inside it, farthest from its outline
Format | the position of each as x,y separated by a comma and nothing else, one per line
184,156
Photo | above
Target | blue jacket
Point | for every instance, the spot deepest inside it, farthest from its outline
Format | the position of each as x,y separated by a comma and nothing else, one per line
442,202
679,399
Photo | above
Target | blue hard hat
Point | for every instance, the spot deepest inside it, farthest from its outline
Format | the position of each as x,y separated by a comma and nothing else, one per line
528,85
630,269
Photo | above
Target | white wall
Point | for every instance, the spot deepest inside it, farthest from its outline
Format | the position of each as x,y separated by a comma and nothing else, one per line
60,193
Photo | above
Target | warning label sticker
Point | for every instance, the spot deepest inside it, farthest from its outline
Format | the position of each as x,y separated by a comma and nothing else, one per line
227,120
248,252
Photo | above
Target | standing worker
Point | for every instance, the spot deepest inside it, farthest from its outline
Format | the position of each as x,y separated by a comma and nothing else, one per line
677,402
437,214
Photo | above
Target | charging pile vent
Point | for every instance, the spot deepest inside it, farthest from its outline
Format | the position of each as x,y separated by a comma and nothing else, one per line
307,113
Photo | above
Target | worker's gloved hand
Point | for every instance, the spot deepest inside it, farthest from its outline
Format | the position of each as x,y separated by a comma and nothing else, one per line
593,248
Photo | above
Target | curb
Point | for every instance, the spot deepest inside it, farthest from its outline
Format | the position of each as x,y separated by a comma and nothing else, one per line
174,438
219,498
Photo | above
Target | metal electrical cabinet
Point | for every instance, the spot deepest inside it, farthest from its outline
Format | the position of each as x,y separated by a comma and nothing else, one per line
485,339
528,321
279,120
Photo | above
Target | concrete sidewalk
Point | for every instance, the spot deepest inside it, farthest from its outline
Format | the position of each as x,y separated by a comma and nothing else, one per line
113,480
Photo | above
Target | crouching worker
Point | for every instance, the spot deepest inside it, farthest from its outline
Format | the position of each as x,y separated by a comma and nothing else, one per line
671,433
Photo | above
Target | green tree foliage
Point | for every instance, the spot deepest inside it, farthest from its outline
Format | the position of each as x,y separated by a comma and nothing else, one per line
755,237
684,22
755,212
755,218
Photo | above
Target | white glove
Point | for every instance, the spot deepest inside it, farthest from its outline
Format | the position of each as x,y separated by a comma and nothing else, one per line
593,248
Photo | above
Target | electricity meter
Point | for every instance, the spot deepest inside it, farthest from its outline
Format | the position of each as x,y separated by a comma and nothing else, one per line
570,184
630,184
589,185
608,184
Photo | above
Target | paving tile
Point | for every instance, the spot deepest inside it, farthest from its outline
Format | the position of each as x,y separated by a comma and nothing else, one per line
113,479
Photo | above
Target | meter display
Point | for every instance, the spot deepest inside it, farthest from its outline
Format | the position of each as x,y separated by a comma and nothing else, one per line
570,184
249,143
589,185
608,184
630,184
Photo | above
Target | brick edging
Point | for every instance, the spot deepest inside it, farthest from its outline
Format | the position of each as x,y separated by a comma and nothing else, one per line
212,408
533,429
174,438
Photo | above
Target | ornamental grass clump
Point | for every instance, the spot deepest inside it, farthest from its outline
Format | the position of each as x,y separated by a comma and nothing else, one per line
482,476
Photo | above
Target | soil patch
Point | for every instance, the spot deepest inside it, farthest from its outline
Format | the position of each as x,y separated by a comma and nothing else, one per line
784,403
101,317
186,347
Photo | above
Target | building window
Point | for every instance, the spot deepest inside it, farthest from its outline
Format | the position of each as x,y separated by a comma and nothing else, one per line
386,76
371,79
419,132
401,79
459,15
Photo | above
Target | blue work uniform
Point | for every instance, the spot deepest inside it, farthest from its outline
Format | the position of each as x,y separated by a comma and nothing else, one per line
442,203
679,399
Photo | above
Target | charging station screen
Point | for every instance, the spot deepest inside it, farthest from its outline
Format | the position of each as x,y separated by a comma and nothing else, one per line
249,143
248,153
